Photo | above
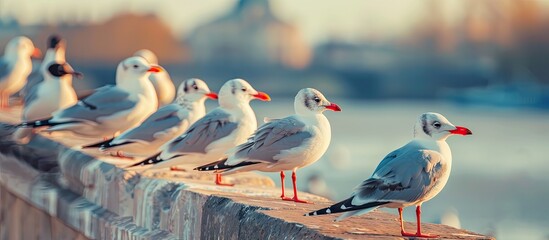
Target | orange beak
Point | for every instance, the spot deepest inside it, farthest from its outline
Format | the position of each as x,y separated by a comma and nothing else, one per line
262,96
334,107
155,69
211,95
36,53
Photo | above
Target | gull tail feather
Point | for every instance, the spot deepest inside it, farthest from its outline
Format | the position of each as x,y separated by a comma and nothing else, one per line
98,144
148,161
37,123
348,209
222,165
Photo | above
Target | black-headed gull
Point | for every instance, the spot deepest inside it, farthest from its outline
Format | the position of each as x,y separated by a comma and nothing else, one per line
55,52
163,84
210,137
284,144
15,67
165,124
54,93
408,176
110,109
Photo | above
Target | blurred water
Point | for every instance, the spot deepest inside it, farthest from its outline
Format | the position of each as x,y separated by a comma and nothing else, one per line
499,181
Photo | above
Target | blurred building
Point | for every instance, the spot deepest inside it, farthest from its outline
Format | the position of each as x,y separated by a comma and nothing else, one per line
113,40
250,34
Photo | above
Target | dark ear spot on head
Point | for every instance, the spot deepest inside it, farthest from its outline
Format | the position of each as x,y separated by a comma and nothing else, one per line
306,101
424,124
233,87
185,87
54,41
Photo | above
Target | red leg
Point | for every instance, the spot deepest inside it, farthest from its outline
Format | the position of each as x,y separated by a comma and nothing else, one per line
219,182
282,184
295,198
418,233
402,231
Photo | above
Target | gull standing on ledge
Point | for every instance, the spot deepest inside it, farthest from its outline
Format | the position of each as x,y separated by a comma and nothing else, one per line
54,93
55,53
408,176
209,138
284,144
162,126
15,67
110,109
163,84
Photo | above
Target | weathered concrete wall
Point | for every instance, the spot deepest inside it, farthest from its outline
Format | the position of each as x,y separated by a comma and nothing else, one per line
21,220
68,191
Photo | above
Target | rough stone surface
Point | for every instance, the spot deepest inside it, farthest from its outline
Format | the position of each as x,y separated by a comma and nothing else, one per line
68,194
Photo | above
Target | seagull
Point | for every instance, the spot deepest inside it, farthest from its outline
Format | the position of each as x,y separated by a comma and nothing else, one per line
284,144
55,92
408,176
15,67
55,53
110,109
163,84
210,137
165,124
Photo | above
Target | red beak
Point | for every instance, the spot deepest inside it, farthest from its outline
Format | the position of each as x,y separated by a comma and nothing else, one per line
262,96
334,107
36,53
155,69
461,131
211,95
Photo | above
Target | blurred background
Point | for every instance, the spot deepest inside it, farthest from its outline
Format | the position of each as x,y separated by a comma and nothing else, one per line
482,63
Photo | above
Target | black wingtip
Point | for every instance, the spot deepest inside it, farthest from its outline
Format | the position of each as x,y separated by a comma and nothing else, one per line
212,166
148,161
98,144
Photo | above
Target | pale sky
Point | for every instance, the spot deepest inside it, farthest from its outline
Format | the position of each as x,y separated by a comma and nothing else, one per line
348,19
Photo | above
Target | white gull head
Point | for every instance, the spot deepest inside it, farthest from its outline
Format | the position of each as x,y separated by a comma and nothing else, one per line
193,90
237,91
436,127
311,101
21,47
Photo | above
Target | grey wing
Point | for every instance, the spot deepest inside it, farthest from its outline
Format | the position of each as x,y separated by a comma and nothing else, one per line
212,127
105,101
271,139
165,118
5,69
31,95
35,78
404,178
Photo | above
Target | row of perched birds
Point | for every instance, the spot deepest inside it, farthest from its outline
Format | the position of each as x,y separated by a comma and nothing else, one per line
137,120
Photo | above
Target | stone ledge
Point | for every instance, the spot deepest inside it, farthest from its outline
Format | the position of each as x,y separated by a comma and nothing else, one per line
97,198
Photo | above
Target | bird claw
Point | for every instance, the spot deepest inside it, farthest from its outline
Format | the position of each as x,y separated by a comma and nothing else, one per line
294,199
218,182
419,235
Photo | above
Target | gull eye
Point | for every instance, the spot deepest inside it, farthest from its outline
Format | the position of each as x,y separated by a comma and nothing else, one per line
436,125
195,87
135,66
244,89
316,99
